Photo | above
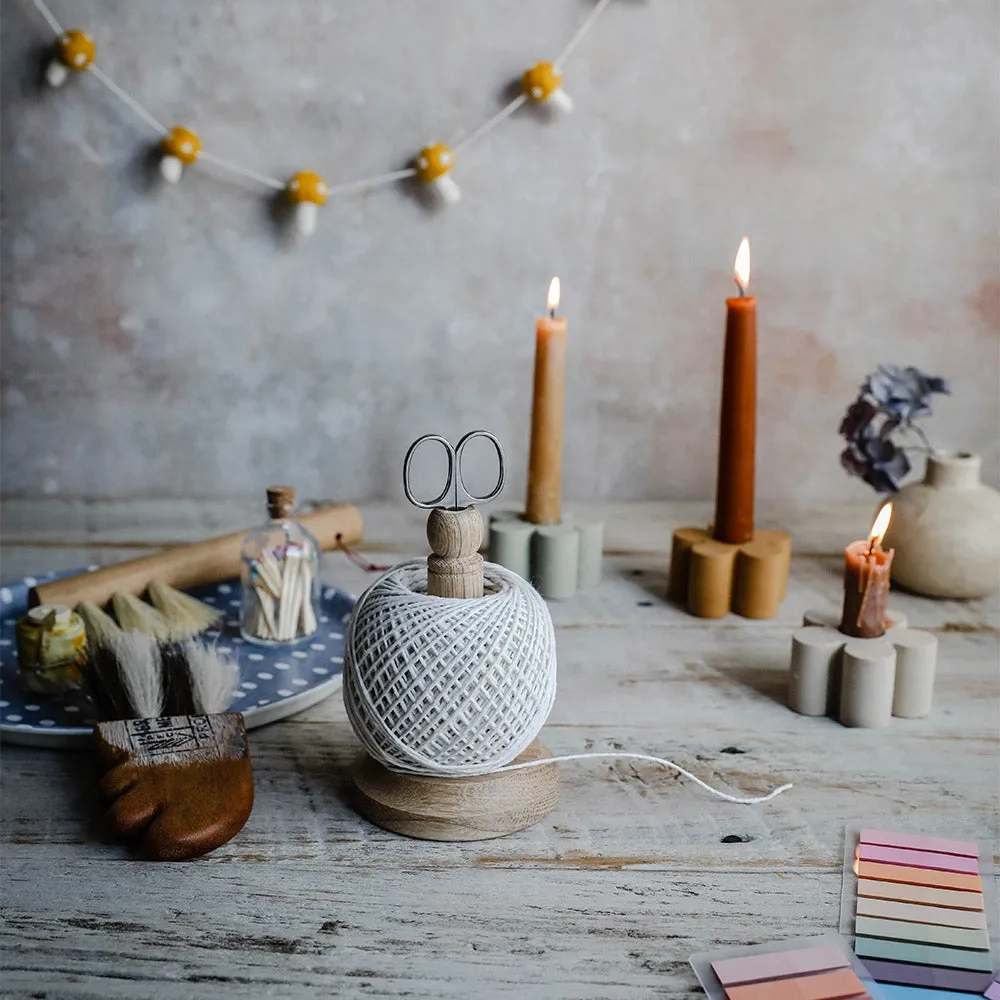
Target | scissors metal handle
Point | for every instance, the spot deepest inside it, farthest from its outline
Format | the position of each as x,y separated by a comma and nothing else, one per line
455,480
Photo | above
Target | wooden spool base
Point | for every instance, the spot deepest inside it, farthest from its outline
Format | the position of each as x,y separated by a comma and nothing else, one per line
479,808
710,578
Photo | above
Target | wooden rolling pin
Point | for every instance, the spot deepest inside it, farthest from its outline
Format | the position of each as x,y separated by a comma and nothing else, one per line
192,565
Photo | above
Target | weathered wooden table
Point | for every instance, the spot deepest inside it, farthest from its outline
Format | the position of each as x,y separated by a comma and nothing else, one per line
636,870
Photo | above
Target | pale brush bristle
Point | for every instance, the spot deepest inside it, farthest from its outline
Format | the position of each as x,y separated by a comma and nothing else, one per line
213,678
137,616
100,627
139,674
185,615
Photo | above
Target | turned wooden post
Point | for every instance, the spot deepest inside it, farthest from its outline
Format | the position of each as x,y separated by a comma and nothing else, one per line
455,567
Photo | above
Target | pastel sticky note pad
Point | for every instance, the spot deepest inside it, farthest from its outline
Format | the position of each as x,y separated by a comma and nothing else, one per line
904,893
919,876
893,991
837,985
901,930
927,975
919,914
917,842
775,965
928,954
918,859
993,993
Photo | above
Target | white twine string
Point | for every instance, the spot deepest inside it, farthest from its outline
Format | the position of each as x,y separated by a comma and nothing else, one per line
502,115
127,99
218,161
445,688
589,21
347,187
49,17
371,182
747,800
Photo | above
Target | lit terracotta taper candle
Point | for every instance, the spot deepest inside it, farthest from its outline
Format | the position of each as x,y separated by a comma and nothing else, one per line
545,457
866,582
737,420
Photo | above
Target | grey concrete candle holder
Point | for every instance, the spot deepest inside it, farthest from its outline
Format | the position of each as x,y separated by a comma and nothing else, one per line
558,559
861,682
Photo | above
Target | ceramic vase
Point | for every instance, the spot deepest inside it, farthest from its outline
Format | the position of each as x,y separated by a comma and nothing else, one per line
946,530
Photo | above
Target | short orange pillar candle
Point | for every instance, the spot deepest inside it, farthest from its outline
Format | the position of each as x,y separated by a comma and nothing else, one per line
866,582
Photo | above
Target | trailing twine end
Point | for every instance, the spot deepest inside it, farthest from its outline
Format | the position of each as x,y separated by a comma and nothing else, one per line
357,559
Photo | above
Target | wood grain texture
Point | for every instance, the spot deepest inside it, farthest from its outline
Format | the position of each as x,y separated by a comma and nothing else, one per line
632,872
455,567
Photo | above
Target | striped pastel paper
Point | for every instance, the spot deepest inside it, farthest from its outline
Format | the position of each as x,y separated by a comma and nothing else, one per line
919,916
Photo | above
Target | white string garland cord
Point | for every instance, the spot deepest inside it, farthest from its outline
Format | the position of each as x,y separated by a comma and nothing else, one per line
451,688
307,190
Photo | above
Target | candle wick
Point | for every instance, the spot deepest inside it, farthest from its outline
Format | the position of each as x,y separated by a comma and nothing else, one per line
552,314
740,287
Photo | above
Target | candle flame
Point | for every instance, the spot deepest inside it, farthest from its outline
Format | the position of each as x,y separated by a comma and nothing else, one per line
741,268
554,293
881,525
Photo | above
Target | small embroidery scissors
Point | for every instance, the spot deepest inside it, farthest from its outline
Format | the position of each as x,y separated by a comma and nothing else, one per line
454,480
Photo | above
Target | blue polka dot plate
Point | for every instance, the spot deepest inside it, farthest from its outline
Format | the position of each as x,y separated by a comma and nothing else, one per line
275,682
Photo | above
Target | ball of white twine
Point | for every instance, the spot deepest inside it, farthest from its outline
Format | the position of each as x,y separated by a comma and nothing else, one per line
447,687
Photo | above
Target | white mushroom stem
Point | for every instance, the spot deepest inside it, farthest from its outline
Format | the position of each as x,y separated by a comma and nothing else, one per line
56,73
171,168
447,189
305,217
561,99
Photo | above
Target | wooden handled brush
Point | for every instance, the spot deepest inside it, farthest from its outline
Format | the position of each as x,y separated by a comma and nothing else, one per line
182,782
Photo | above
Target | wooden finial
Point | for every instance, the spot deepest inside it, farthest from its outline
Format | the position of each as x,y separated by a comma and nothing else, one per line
280,501
455,568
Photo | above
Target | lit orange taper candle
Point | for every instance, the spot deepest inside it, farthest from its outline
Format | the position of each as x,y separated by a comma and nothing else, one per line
734,486
545,456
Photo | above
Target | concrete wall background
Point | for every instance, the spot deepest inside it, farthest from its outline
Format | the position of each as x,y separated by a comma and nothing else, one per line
164,341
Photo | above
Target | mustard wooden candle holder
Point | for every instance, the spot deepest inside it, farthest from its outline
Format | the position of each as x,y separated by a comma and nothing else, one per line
710,578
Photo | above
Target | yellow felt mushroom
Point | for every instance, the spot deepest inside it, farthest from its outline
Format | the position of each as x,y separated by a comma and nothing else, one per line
75,50
544,83
180,149
433,164
306,191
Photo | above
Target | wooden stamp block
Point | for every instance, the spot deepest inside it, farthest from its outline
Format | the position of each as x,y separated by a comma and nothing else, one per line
182,783
710,577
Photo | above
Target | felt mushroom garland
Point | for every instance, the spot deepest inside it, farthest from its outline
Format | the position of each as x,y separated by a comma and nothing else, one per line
75,51
543,82
180,149
434,164
306,190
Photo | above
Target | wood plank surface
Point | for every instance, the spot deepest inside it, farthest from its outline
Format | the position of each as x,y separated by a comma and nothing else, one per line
635,870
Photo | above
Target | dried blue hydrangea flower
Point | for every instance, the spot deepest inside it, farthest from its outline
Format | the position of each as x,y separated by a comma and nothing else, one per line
891,398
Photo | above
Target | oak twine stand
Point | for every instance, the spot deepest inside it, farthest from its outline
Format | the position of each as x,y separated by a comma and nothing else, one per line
449,808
